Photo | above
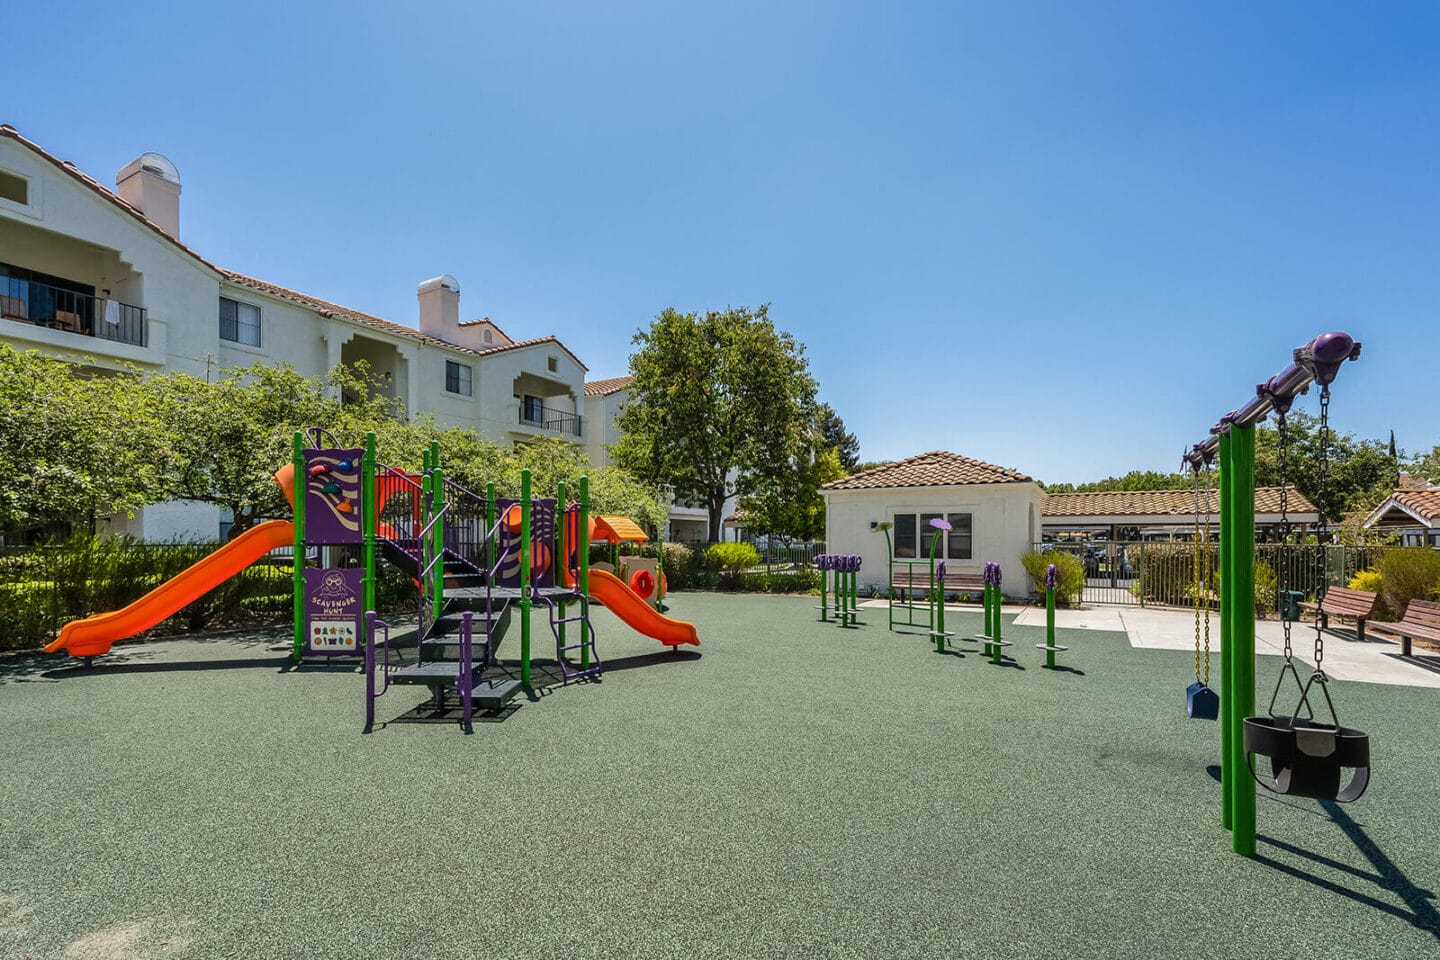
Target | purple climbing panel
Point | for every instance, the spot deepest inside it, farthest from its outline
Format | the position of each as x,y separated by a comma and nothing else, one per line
332,497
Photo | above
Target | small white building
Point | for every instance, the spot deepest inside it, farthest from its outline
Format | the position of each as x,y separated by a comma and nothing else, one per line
1413,515
994,513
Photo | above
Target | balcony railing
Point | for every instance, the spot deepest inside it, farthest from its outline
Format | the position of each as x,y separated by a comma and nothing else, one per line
535,415
29,301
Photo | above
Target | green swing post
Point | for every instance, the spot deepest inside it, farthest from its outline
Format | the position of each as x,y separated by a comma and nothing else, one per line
369,507
525,576
562,560
1241,500
583,533
297,559
937,594
1227,635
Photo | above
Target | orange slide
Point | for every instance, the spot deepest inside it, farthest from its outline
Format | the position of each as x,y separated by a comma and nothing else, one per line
626,604
93,636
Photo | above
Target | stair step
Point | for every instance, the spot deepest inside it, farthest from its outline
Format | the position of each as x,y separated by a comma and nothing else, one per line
578,646
569,620
493,694
444,673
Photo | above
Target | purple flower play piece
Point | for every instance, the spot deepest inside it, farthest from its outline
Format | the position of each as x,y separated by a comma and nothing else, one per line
1050,577
940,570
997,574
940,523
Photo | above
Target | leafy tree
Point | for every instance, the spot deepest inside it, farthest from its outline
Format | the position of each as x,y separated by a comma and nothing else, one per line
225,439
1425,466
868,465
832,430
791,507
1361,472
1134,480
721,404
73,444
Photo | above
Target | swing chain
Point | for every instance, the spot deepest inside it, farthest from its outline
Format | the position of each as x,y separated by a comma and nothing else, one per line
1283,583
1207,570
1321,531
1195,564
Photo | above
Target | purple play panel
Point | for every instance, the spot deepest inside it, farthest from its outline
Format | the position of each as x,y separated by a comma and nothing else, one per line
332,498
542,531
333,611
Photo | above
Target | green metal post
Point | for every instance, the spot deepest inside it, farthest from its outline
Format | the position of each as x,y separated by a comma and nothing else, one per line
889,577
369,508
490,512
437,491
561,564
660,569
996,650
937,590
824,610
1227,635
297,564
1050,626
1242,668
525,576
583,529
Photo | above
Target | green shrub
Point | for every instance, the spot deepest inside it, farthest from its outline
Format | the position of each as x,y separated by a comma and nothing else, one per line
1069,574
802,581
1370,580
1267,586
1407,573
732,559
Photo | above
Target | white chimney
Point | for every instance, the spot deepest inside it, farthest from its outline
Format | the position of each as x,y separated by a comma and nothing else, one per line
440,308
151,184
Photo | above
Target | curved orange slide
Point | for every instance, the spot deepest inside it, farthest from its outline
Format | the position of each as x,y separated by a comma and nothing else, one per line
637,614
93,636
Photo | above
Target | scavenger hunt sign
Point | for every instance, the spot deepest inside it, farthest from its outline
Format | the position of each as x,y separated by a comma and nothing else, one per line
333,610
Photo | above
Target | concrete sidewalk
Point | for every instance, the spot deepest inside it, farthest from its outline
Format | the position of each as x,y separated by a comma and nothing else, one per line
1377,660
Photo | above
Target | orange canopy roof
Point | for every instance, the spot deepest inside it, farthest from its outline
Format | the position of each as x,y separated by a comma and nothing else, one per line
616,529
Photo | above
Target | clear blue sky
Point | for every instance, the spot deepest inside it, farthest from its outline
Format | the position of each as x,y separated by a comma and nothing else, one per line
1063,237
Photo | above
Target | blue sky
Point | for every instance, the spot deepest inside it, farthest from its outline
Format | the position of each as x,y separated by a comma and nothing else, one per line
1063,237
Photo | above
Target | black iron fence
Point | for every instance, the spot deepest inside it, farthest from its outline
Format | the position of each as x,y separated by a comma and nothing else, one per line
59,309
1143,573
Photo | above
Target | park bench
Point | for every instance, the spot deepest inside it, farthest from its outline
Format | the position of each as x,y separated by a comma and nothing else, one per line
917,581
1345,603
1421,621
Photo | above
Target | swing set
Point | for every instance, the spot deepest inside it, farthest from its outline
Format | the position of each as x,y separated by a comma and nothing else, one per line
1308,756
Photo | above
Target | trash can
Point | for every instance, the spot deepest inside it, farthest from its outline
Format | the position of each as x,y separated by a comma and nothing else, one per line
1290,604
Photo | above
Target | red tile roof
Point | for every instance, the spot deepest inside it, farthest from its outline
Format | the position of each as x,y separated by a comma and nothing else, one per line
938,468
323,307
1160,503
603,388
1422,504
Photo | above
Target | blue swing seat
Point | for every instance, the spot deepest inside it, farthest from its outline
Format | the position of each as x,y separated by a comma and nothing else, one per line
1201,703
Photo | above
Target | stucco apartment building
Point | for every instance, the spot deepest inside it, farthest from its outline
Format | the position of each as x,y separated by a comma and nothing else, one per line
102,276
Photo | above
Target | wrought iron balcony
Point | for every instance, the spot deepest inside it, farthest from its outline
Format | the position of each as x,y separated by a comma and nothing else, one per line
536,415
29,301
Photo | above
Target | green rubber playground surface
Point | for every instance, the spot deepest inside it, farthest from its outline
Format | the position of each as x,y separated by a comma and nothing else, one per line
792,790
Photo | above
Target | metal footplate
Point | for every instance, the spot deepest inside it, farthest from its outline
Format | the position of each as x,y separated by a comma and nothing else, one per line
494,694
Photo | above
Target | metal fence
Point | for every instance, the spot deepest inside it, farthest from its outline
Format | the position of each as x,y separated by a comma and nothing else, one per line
774,555
1141,573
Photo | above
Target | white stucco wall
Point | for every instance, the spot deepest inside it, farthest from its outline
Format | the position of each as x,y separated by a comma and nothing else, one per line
601,429
1002,517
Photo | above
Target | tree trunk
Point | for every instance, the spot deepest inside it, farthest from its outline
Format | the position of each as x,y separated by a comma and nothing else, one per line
716,504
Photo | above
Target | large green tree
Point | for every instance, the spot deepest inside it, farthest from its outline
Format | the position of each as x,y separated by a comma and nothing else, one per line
791,506
721,404
1361,472
832,430
74,443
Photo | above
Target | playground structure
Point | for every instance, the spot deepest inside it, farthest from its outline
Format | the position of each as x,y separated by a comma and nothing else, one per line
1307,757
839,576
992,643
476,561
645,576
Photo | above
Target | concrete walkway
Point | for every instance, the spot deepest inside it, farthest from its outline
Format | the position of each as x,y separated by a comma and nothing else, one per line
1377,660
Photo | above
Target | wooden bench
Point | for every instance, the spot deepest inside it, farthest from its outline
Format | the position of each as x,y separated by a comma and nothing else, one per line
1355,605
917,581
1421,621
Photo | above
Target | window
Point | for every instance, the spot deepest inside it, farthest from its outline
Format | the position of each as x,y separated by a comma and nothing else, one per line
913,536
551,364
534,410
457,378
239,322
489,336
13,188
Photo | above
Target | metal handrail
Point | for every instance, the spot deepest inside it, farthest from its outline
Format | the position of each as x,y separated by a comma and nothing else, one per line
46,305
561,421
